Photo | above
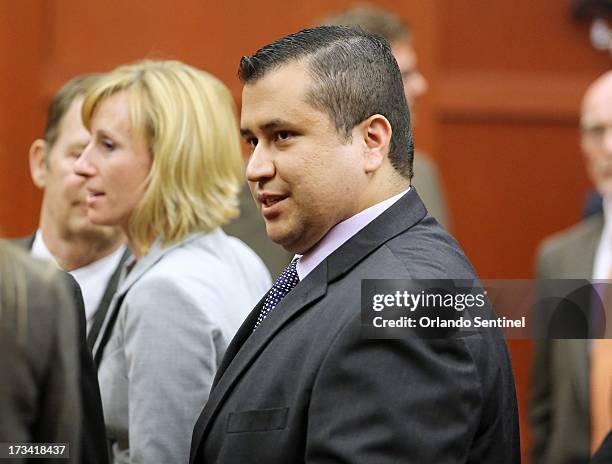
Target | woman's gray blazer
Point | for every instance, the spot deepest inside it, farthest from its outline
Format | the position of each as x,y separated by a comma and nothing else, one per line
178,309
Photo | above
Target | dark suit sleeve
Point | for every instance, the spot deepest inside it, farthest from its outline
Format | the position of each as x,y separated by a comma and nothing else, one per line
389,401
94,448
39,399
59,403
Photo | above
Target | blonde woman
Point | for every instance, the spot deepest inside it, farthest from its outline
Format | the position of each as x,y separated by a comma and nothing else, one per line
164,163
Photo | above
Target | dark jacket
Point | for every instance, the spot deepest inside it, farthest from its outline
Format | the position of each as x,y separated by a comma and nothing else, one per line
307,386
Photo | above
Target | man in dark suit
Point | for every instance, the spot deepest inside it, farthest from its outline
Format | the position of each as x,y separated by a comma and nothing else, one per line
39,399
92,254
327,121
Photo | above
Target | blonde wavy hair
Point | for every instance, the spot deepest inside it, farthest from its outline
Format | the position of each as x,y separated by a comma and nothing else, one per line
189,122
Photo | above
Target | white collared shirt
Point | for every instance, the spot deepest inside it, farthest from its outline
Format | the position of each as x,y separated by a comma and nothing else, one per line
341,233
92,278
603,256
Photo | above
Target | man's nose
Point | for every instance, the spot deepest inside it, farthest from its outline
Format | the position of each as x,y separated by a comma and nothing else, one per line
260,165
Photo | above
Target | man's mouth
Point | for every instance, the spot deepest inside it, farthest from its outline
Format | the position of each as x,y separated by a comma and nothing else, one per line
267,199
271,204
271,201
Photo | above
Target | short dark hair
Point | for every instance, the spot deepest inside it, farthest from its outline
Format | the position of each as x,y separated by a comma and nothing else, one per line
61,101
372,19
354,76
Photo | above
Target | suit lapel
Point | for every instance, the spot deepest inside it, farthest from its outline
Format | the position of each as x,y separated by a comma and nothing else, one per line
247,345
399,217
586,247
578,350
155,254
581,252
102,309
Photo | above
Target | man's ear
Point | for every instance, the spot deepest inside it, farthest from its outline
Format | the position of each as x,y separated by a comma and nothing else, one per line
38,163
376,132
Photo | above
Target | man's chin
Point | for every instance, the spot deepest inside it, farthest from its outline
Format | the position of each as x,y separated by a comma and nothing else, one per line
280,236
604,188
94,232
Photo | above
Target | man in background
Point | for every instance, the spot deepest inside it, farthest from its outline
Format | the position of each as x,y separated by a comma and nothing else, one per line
571,409
39,400
92,254
381,22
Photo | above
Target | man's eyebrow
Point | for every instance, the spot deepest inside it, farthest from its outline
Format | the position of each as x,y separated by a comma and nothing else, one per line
274,124
78,145
267,127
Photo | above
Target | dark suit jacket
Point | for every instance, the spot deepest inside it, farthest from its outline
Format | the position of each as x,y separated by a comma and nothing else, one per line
27,242
93,432
307,387
39,399
559,411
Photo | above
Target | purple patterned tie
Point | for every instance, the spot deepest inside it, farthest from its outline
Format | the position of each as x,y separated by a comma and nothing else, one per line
283,285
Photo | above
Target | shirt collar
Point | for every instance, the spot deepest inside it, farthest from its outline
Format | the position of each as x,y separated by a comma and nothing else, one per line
341,233
40,250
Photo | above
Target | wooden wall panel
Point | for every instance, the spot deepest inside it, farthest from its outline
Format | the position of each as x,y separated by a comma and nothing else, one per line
511,184
523,35
21,110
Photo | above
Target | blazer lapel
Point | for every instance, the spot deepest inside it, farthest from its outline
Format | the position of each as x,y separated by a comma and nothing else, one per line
580,265
247,345
578,357
102,309
401,216
155,254
586,247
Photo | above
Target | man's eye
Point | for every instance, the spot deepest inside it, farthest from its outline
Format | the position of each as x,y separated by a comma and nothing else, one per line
283,135
252,142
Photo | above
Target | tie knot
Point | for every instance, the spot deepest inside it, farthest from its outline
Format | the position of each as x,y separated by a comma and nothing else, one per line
281,287
289,276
